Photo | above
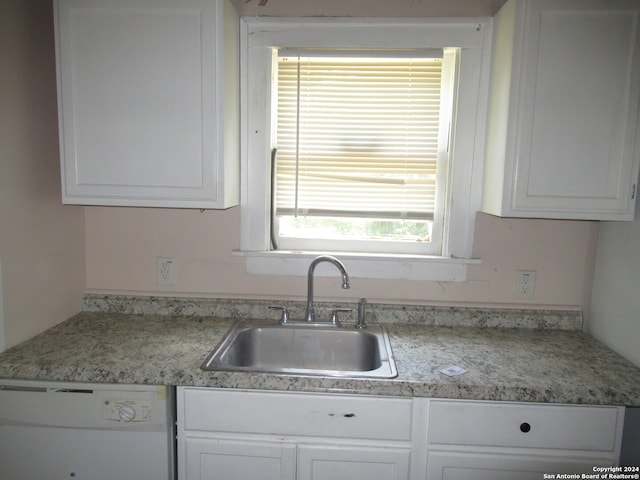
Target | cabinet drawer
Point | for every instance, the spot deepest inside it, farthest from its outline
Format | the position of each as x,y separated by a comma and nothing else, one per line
525,425
342,416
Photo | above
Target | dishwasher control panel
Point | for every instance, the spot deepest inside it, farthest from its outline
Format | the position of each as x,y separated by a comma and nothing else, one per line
127,410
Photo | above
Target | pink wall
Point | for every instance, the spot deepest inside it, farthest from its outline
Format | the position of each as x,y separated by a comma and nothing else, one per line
41,241
122,246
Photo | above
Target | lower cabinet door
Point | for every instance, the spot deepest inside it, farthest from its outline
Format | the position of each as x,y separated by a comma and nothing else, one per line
481,466
221,459
316,462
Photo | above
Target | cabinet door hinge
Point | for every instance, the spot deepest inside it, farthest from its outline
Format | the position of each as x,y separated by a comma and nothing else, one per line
633,191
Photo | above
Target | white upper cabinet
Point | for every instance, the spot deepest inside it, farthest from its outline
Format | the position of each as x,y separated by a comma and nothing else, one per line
563,136
148,102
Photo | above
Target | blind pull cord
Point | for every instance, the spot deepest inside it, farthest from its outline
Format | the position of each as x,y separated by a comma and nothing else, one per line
272,226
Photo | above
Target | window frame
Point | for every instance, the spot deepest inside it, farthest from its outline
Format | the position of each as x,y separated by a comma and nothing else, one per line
259,40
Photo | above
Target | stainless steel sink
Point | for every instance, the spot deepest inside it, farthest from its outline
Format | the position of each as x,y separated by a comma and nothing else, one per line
304,350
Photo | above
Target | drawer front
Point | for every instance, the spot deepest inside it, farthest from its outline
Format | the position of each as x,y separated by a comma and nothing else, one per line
525,425
342,416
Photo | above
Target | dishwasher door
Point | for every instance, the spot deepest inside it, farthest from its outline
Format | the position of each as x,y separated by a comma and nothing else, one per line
86,431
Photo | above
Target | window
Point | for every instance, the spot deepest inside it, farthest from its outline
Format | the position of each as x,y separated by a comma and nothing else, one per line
414,188
360,139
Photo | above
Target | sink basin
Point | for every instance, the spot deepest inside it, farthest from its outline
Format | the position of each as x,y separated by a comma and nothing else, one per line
304,350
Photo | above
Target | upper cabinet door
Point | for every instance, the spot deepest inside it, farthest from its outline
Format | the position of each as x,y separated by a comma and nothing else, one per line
148,102
563,110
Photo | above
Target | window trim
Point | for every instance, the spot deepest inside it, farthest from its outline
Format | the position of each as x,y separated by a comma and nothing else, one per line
258,38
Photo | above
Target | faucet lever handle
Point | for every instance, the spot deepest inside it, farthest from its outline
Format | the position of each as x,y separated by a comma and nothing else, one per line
334,315
285,313
361,313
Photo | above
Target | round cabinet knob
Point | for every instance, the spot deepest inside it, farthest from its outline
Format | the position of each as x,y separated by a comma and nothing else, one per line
525,427
126,413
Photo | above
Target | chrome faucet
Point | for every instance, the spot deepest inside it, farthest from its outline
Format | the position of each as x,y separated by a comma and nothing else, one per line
310,314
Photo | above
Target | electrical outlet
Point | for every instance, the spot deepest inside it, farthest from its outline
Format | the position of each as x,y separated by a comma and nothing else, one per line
525,284
165,271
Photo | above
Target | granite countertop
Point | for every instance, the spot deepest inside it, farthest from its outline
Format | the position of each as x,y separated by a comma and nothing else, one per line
504,364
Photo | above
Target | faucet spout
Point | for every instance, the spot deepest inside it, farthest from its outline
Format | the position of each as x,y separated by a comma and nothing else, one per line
310,314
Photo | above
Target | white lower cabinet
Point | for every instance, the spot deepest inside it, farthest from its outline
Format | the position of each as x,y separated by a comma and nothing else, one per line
224,434
213,458
487,466
249,434
323,462
502,440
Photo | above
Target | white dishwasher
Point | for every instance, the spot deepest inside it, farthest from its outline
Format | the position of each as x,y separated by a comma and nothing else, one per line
55,431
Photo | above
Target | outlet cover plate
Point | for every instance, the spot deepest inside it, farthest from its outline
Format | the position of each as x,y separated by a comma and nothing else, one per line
165,271
525,287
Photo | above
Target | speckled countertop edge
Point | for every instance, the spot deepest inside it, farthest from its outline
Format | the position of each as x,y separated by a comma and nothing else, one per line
528,365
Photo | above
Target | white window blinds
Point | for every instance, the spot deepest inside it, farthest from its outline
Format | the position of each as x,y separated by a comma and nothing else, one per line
357,137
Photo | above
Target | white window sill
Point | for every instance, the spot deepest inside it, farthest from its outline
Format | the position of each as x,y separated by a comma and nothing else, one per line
361,265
